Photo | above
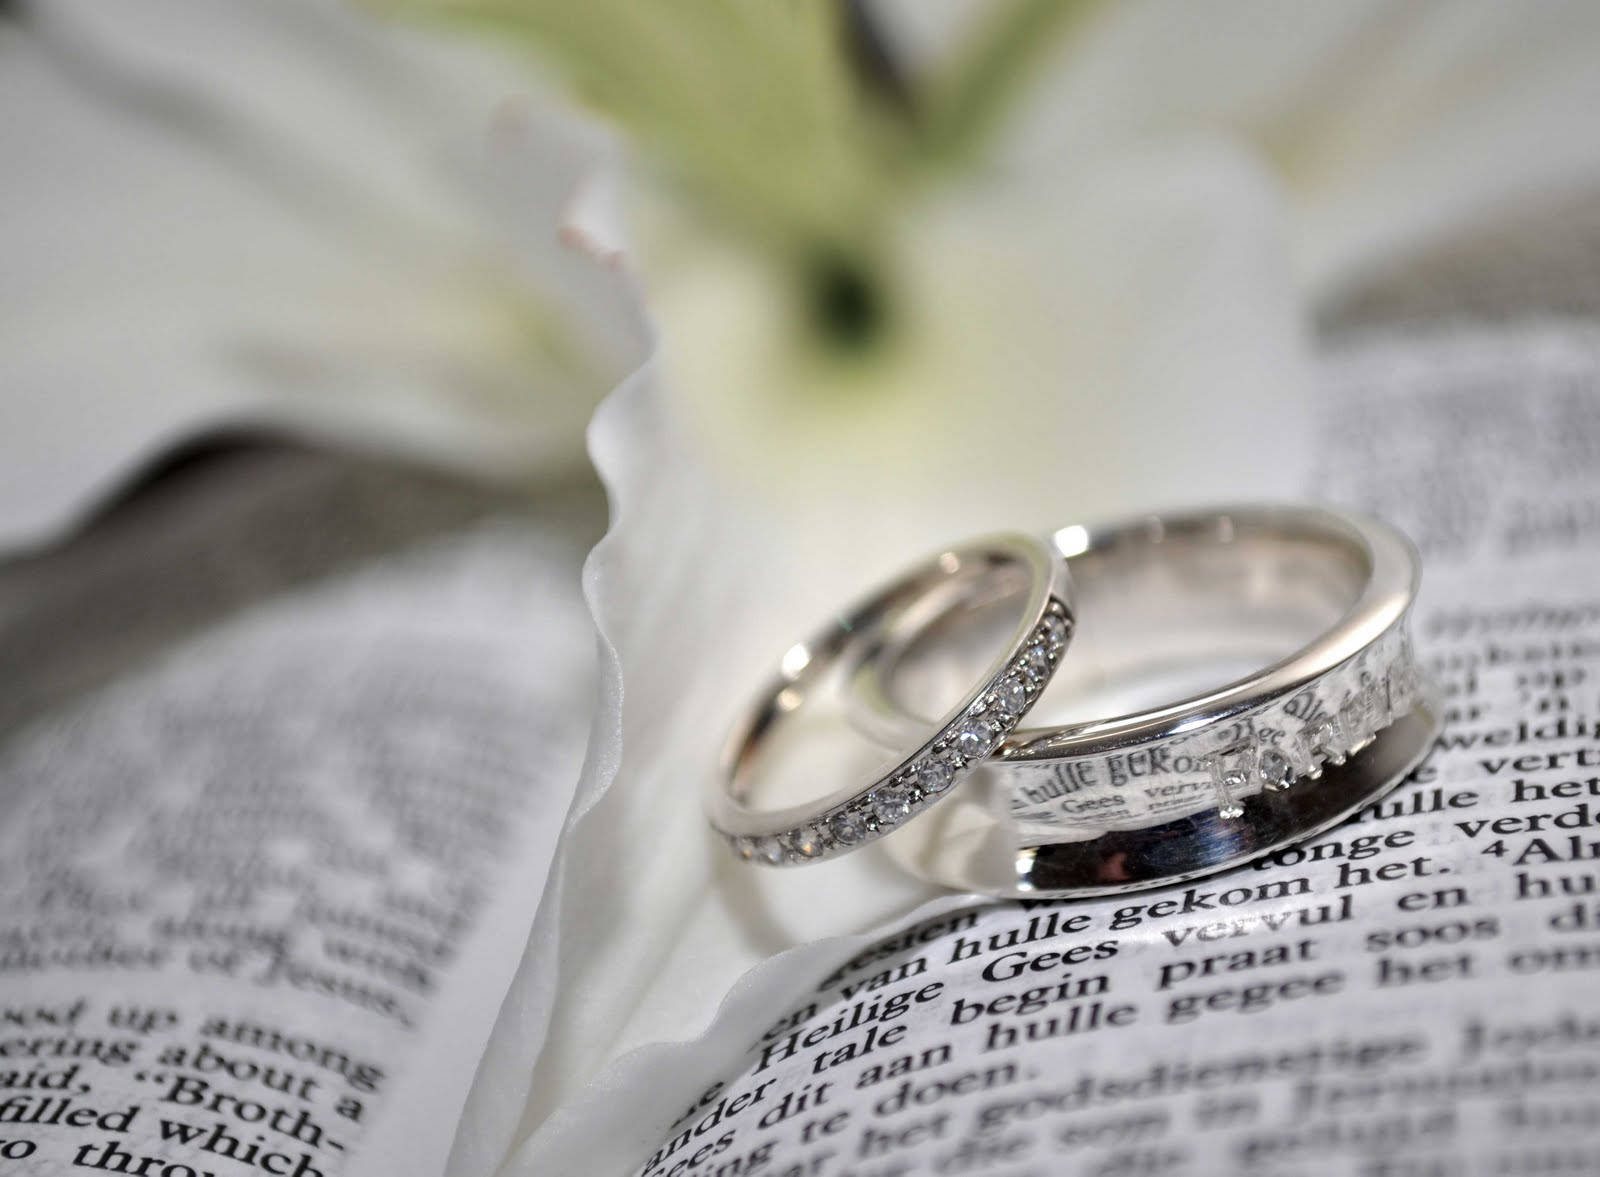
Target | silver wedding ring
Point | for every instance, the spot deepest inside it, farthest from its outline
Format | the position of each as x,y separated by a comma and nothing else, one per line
799,731
1204,771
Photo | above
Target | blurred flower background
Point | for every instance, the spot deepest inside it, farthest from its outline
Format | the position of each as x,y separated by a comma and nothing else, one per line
871,241
858,278
292,217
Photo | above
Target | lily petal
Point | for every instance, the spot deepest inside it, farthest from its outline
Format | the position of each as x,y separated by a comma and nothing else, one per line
285,216
1391,124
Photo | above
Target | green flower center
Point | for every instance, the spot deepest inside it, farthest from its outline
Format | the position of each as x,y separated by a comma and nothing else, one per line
846,304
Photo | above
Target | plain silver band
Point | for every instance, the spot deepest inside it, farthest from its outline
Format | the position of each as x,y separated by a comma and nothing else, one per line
946,749
1182,789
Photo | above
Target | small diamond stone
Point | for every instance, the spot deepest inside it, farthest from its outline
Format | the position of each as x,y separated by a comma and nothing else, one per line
1276,772
807,842
1054,629
890,805
1036,661
975,739
769,850
935,775
1011,698
847,828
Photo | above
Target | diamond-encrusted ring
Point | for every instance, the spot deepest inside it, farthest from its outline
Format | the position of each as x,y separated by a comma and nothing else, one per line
1168,762
1014,572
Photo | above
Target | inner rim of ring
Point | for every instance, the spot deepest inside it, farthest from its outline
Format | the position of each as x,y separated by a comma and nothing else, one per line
803,734
1167,610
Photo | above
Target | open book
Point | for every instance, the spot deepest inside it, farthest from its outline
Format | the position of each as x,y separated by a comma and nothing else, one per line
262,897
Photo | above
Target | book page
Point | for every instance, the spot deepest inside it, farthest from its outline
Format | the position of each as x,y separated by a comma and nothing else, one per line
261,893
1411,993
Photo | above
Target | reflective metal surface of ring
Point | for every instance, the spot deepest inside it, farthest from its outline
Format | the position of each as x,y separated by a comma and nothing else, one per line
1000,568
1162,793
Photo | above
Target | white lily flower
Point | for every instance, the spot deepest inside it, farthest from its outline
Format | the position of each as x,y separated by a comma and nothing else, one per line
287,215
1112,314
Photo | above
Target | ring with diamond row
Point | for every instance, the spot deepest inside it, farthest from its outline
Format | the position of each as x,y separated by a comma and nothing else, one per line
1240,764
791,717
